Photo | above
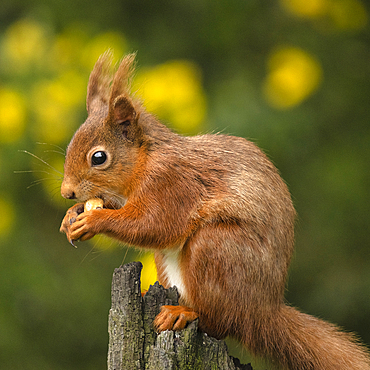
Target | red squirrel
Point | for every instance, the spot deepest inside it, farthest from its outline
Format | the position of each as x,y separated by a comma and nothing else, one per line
217,215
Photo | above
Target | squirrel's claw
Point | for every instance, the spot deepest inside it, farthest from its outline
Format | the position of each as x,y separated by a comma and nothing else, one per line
69,219
73,242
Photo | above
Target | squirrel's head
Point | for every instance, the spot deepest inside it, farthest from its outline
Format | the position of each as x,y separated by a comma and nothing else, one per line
102,154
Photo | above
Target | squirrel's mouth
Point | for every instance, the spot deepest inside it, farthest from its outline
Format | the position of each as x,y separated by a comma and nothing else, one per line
110,201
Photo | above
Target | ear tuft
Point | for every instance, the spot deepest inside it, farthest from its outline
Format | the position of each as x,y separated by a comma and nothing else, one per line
122,78
98,88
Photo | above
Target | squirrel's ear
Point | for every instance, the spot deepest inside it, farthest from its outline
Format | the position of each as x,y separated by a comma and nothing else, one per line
123,114
123,110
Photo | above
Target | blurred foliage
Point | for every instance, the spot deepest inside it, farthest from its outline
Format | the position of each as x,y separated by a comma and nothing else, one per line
173,91
292,75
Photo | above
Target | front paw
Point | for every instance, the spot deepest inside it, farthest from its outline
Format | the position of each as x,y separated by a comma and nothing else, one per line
87,225
69,219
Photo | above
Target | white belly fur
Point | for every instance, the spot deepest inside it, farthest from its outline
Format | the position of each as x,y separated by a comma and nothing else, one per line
172,269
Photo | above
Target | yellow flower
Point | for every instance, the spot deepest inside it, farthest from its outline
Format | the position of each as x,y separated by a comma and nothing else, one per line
343,14
67,47
99,44
24,45
304,8
57,104
293,76
12,115
149,272
174,92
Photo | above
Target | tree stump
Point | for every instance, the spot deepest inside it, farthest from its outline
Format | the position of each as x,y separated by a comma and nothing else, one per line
133,342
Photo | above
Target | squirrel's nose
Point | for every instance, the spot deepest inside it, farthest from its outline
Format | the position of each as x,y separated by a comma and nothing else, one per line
67,191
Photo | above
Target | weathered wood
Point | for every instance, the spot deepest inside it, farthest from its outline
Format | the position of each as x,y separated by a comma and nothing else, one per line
133,342
126,329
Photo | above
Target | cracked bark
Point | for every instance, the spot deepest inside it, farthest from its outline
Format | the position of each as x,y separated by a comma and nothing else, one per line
133,342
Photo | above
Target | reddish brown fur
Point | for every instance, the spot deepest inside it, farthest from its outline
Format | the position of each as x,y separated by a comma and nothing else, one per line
214,206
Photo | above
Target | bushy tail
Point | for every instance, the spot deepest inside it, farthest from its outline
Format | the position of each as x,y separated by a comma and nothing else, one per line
297,341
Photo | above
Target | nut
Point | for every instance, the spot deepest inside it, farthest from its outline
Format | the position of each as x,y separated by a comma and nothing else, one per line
95,203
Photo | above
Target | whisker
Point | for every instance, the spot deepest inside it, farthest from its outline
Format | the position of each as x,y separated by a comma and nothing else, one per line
54,151
95,257
56,191
39,181
124,258
62,151
87,254
40,159
95,251
36,171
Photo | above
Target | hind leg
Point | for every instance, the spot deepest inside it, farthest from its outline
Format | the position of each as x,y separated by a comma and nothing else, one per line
174,318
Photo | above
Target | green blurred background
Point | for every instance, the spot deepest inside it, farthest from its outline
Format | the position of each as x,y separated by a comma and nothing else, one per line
291,75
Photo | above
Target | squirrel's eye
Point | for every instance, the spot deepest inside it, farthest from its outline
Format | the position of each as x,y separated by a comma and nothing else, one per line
98,158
